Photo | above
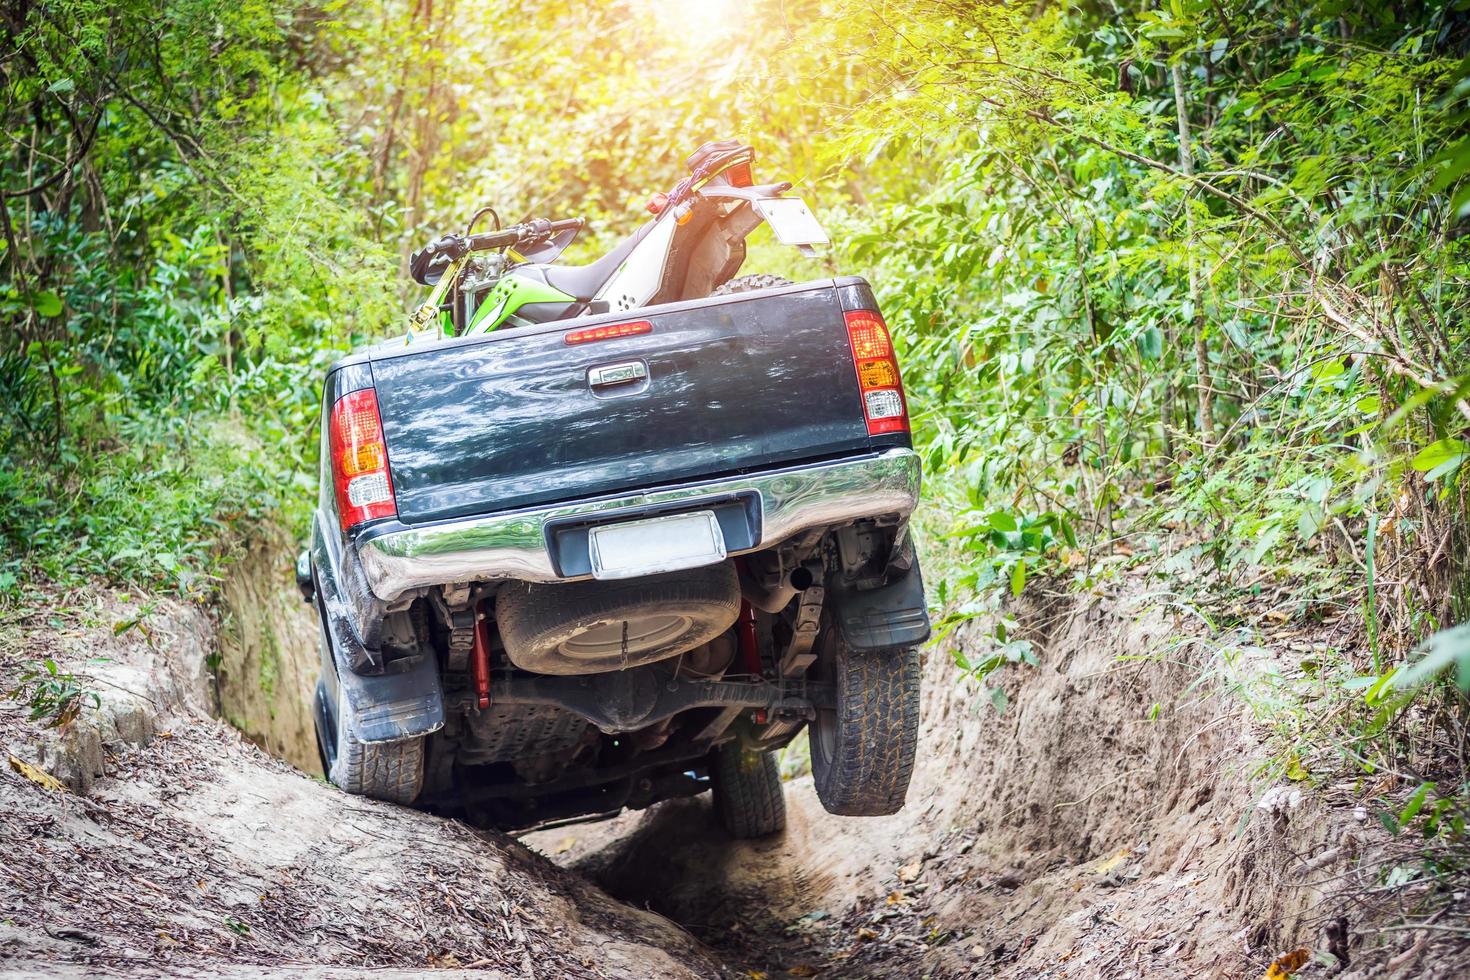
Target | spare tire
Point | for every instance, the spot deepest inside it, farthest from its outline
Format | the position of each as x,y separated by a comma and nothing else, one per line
751,283
596,626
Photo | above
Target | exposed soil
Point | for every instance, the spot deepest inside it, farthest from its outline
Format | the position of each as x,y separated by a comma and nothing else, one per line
1102,826
268,666
1082,833
182,849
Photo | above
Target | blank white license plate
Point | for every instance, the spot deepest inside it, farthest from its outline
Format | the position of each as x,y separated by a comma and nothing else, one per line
658,544
792,221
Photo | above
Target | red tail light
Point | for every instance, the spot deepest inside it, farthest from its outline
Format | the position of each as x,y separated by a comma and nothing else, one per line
884,405
360,460
739,175
590,334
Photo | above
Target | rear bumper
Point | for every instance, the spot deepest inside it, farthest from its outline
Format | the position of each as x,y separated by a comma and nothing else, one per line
515,545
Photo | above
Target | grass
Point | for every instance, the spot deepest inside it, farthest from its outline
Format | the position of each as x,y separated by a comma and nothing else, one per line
161,507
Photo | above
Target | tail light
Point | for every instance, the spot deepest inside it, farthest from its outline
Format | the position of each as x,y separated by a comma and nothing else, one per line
360,460
884,405
739,175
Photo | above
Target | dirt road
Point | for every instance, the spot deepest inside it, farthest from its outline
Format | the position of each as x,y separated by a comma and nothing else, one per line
181,849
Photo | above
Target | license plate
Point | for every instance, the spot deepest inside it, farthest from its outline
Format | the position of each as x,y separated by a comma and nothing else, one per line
658,544
792,221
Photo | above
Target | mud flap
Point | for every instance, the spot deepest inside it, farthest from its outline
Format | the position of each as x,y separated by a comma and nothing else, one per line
893,615
396,705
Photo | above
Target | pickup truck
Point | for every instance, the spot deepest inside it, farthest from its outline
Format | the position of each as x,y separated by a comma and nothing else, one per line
625,531
623,558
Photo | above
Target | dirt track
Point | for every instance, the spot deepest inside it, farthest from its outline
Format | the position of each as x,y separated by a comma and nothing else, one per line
1079,834
197,854
1073,836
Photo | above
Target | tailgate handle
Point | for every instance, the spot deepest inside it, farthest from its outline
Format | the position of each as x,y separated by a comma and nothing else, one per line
617,374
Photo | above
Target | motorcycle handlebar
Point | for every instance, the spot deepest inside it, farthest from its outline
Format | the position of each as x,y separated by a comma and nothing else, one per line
533,230
530,231
436,255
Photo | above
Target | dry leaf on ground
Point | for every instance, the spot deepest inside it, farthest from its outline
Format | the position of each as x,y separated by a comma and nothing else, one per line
1286,964
40,777
1109,864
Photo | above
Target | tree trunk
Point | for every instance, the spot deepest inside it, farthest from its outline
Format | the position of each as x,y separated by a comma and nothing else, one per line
1201,351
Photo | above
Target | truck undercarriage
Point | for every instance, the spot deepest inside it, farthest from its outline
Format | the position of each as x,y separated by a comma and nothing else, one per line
520,749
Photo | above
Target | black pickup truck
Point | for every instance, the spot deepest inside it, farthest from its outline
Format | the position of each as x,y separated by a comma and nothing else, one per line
574,567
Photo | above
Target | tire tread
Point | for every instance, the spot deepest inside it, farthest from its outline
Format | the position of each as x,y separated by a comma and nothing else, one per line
751,283
877,730
390,771
747,793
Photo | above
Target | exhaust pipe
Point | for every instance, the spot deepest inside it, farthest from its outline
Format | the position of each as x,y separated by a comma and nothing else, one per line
773,600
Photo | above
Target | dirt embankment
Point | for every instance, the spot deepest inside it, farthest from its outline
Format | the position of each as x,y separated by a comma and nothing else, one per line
1103,826
180,848
267,664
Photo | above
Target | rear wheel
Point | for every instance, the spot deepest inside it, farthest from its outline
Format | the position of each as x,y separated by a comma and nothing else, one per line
747,792
749,284
322,723
392,771
863,746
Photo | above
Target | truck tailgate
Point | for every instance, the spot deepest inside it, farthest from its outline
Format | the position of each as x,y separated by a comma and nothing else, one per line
513,419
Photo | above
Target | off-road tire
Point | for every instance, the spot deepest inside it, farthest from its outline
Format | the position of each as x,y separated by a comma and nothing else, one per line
863,747
536,620
747,792
391,771
749,284
321,724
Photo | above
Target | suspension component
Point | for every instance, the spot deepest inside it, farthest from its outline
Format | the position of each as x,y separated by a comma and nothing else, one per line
750,651
799,655
480,658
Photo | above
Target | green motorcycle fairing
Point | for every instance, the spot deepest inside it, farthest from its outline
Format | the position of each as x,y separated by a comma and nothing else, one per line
518,290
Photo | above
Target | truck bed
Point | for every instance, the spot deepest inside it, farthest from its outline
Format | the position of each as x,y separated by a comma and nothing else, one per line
679,392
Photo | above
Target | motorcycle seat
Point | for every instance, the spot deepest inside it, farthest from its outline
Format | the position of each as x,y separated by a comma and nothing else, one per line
582,282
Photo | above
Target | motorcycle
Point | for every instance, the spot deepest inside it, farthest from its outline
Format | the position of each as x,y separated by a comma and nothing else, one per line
693,247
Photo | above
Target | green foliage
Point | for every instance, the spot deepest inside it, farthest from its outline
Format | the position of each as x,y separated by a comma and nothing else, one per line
52,693
1257,350
178,277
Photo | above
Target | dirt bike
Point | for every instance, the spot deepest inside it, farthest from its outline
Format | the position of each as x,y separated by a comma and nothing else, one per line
693,246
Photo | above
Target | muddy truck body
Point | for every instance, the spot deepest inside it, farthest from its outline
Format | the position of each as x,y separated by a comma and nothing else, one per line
588,565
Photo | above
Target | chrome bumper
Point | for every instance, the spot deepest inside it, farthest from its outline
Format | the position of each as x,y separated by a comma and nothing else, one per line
514,546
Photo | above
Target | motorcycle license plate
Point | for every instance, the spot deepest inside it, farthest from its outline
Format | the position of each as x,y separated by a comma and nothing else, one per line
792,221
658,544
